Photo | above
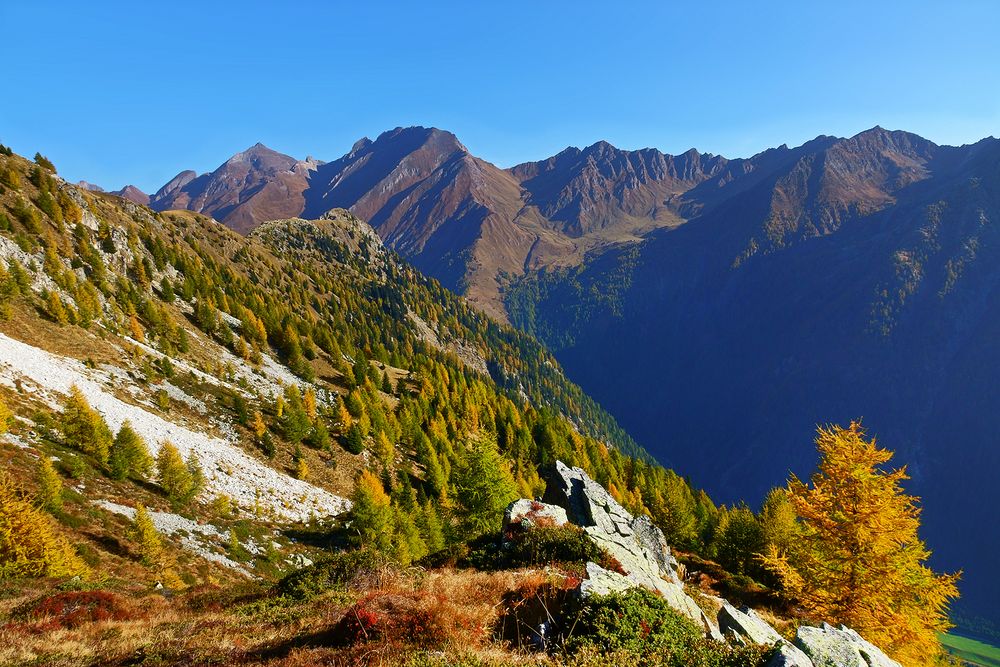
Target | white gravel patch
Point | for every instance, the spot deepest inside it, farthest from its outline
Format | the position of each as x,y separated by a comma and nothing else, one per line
177,394
228,469
172,524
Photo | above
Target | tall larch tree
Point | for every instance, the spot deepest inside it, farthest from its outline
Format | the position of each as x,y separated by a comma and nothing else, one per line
858,559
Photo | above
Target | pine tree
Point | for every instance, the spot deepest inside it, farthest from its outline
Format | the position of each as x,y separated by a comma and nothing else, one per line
386,383
301,466
129,455
30,544
50,486
778,520
738,540
371,514
295,423
145,533
309,403
858,559
54,308
355,441
484,486
319,436
431,528
83,427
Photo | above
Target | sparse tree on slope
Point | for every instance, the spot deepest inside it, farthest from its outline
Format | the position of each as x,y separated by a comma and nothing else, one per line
129,455
372,516
30,544
50,486
84,428
145,533
858,559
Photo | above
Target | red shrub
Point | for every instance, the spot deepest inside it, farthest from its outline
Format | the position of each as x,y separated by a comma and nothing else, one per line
72,609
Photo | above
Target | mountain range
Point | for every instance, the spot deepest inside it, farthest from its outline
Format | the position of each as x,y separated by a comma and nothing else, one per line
720,308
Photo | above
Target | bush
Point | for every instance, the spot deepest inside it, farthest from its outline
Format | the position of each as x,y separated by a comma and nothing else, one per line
72,609
637,622
333,574
544,545
637,627
409,619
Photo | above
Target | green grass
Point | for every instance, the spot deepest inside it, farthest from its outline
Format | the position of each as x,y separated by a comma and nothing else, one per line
972,651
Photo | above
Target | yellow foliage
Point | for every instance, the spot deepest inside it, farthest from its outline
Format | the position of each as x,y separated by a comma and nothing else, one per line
858,559
30,544
309,402
49,485
135,329
258,425
5,417
145,533
84,428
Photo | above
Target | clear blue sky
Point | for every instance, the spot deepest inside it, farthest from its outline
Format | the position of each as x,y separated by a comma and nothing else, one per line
136,91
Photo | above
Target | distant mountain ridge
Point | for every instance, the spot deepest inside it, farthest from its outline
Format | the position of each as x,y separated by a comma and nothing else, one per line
456,216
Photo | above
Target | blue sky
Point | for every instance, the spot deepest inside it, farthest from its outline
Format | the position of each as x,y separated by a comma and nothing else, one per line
134,92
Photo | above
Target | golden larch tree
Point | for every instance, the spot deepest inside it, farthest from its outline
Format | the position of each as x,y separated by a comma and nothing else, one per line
857,559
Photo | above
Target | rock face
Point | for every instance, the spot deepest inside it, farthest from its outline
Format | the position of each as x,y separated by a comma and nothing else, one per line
828,646
639,547
635,542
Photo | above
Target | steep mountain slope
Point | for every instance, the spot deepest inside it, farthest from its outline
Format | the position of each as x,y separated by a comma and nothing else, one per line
845,278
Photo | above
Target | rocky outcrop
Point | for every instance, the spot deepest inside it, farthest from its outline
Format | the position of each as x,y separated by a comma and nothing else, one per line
638,546
635,542
828,646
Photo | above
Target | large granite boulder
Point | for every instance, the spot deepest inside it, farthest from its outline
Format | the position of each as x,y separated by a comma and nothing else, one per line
828,646
745,625
639,547
634,541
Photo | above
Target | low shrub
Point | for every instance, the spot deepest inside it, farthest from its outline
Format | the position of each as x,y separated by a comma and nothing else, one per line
545,545
414,618
69,610
637,627
334,573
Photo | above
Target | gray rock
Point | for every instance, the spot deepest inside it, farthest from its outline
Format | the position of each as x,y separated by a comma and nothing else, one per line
828,646
638,546
527,513
746,623
789,656
634,541
746,627
603,582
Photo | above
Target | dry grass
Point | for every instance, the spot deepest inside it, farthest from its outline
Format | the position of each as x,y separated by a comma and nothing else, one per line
449,613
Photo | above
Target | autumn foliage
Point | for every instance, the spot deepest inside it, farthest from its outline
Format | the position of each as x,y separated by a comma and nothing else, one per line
858,559
30,542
